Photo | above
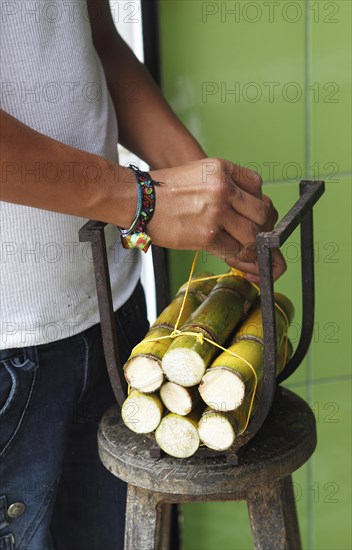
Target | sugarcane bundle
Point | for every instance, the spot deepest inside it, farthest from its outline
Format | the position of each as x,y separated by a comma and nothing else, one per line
183,413
231,376
143,369
188,356
218,429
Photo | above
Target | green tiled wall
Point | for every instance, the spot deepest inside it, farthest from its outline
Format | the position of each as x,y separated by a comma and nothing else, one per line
268,84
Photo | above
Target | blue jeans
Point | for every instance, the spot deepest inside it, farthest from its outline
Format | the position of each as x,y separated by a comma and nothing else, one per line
54,492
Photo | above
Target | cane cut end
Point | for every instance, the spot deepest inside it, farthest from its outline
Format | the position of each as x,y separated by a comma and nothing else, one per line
144,373
177,437
222,389
142,412
176,399
216,431
183,366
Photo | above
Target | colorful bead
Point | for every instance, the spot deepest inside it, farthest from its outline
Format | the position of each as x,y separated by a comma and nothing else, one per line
137,240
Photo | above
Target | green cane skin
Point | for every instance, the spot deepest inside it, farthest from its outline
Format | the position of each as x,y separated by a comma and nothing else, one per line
165,323
217,316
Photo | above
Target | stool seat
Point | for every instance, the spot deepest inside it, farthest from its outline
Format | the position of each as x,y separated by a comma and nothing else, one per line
284,443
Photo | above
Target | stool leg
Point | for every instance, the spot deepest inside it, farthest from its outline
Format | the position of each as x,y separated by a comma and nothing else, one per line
144,520
273,516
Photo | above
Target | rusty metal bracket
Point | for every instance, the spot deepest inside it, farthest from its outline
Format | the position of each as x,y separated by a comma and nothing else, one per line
300,214
93,232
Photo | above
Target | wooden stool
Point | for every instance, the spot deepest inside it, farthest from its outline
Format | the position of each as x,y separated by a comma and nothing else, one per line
284,443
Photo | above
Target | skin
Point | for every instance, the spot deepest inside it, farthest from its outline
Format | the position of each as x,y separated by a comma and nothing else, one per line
200,202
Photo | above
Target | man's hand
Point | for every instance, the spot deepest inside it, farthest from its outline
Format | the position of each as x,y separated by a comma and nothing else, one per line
216,206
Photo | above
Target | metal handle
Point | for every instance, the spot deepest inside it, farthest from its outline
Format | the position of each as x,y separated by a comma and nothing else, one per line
300,214
93,232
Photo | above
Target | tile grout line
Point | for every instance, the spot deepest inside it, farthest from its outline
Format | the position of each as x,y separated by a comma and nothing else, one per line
307,77
308,123
286,182
320,381
310,472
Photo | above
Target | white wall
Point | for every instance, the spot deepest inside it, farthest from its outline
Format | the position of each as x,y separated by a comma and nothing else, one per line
127,15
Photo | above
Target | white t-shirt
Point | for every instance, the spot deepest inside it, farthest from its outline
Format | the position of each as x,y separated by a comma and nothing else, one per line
51,78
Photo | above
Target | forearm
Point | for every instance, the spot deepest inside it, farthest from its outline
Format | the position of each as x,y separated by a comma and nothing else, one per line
147,124
41,172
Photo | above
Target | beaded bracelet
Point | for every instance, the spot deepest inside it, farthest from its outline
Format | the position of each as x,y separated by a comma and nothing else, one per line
132,227
136,236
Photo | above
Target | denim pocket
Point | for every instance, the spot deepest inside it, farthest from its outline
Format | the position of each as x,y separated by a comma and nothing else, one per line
7,542
18,374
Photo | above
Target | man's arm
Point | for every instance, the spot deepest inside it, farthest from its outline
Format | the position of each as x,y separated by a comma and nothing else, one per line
198,204
149,128
206,202
39,171
147,124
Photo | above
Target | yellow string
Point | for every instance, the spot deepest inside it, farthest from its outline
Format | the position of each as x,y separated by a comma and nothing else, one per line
200,336
283,313
201,339
236,273
187,289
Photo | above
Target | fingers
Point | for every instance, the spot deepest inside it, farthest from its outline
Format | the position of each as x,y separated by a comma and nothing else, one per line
238,186
250,183
233,253
278,263
239,227
255,210
272,215
278,267
246,179
251,213
244,257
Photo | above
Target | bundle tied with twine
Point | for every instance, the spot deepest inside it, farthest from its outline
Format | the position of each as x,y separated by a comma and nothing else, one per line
184,385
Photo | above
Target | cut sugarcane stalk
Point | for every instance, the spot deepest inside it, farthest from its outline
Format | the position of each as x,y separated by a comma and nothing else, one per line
143,368
188,356
178,399
229,378
252,326
178,435
218,429
142,412
223,386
